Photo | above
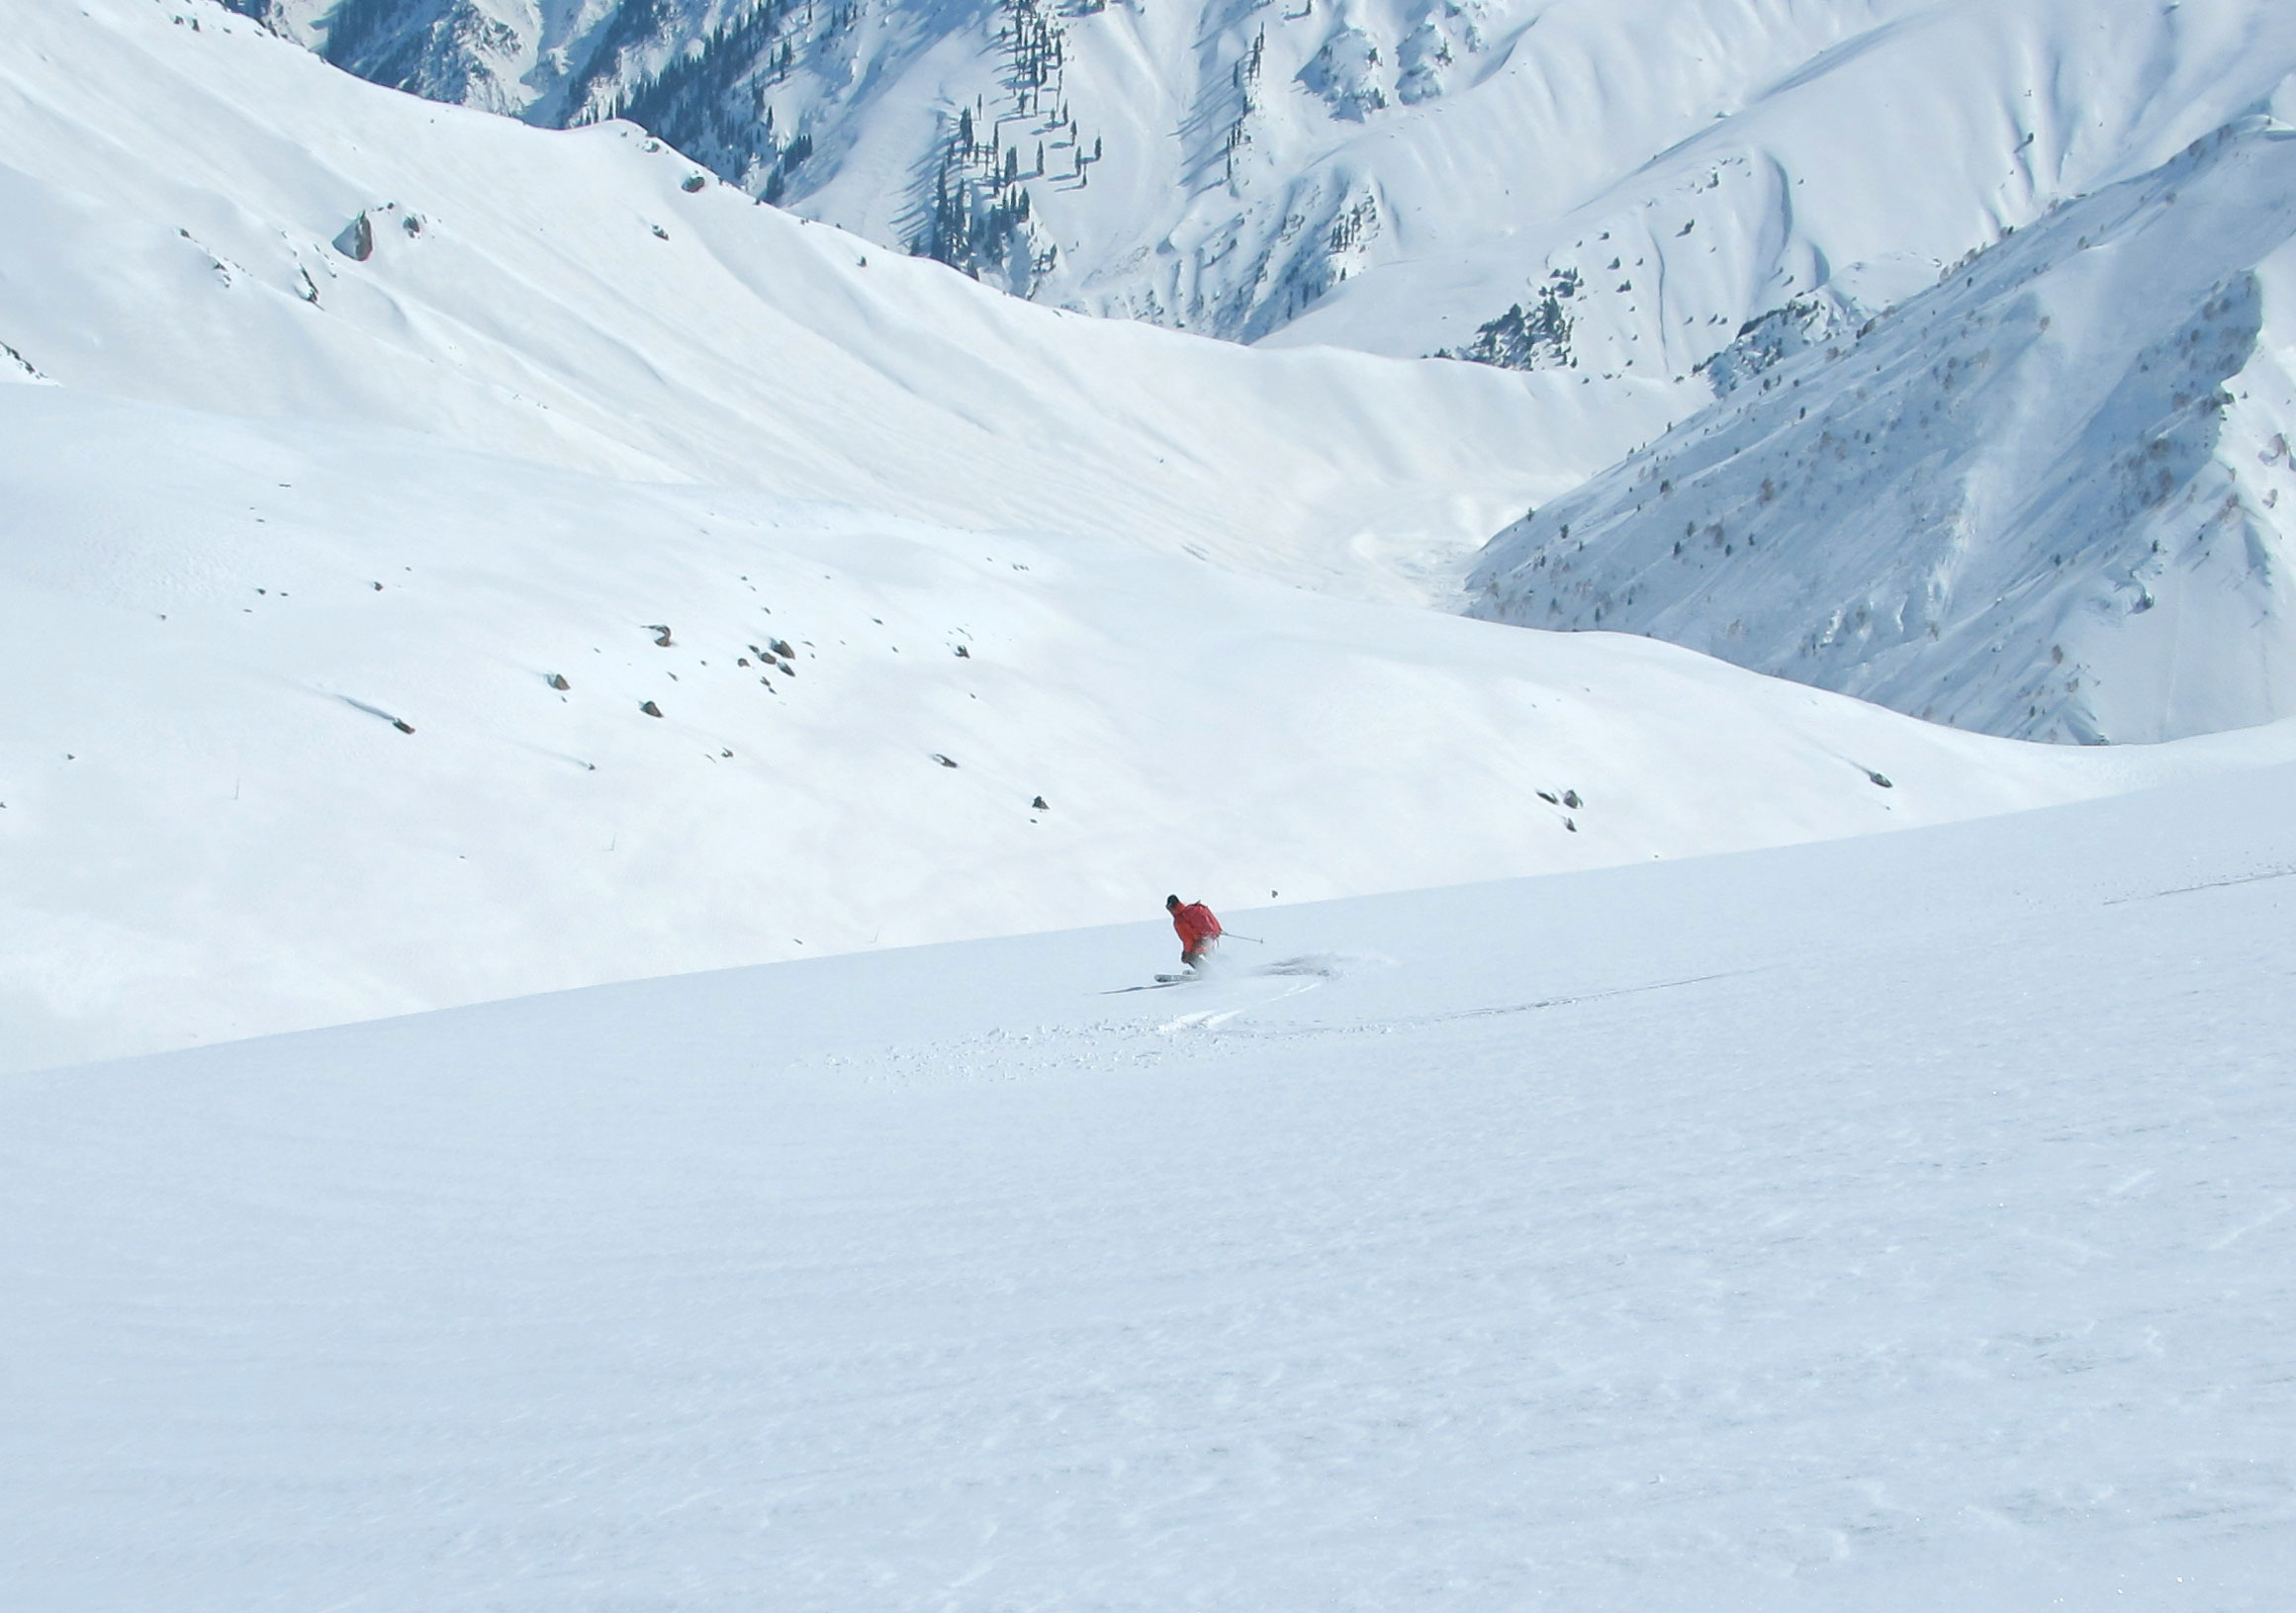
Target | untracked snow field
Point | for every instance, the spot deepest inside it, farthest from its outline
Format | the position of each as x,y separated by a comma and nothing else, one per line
1896,1222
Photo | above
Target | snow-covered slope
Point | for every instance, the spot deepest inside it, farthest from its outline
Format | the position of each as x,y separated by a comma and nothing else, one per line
1632,200
1391,174
212,826
287,748
1716,185
182,218
2053,497
1701,163
1895,1225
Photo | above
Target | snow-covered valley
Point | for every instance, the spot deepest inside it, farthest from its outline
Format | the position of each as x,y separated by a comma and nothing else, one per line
1893,1223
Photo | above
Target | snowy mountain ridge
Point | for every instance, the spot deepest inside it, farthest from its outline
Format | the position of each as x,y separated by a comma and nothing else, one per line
1389,174
2050,498
1645,203
592,300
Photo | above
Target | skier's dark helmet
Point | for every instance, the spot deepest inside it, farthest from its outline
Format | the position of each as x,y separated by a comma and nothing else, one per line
1171,903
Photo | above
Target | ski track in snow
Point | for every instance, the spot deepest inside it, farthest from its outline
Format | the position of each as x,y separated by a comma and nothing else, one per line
1888,1224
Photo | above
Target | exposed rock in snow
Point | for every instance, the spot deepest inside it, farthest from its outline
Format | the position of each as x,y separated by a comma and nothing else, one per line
357,239
1538,338
1762,343
17,367
242,844
1346,75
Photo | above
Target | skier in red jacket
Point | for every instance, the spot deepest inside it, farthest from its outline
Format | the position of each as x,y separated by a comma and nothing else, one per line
1197,930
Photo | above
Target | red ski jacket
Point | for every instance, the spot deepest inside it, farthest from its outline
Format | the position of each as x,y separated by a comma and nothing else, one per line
1196,926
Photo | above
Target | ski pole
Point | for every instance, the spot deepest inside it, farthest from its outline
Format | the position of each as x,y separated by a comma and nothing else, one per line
1233,935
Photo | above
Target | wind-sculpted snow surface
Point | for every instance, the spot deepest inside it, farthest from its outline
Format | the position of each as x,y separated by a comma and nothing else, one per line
2052,497
1894,1225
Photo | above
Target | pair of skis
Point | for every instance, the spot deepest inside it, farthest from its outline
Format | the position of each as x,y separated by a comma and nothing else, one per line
1182,978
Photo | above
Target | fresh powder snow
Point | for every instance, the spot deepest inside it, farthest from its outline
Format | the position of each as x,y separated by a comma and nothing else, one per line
1897,1222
